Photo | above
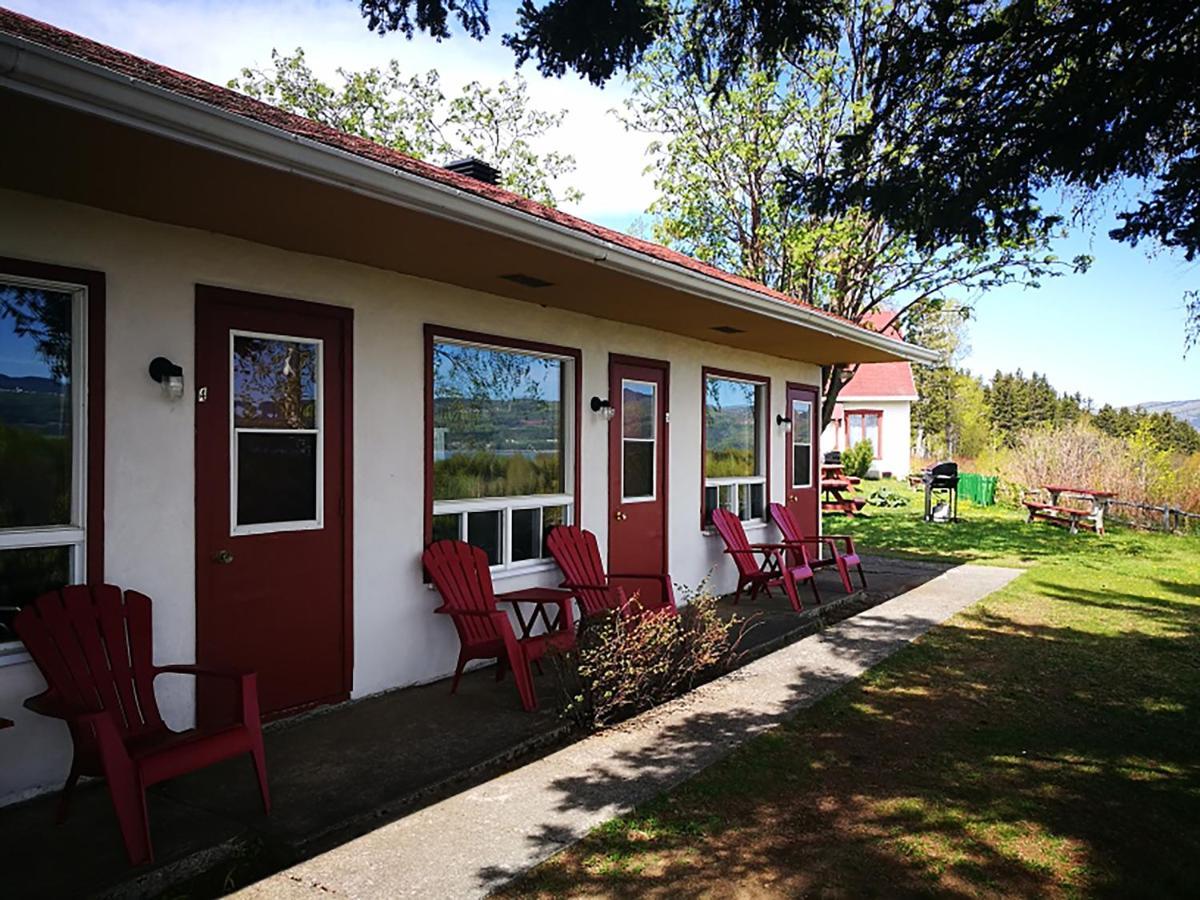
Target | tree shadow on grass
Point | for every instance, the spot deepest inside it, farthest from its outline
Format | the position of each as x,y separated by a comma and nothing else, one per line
994,756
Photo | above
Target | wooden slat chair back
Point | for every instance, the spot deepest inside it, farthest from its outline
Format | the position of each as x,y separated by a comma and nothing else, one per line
763,566
94,647
461,575
577,553
842,559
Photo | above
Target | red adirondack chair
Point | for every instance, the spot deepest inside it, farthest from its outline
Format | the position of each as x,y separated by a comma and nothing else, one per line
792,534
461,575
93,646
578,555
763,566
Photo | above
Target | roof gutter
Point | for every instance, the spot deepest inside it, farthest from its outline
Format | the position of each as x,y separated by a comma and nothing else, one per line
56,77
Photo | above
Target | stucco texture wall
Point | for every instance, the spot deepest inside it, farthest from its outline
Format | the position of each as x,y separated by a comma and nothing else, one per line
152,270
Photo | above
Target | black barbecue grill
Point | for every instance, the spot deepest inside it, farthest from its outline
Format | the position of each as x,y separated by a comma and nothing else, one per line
941,480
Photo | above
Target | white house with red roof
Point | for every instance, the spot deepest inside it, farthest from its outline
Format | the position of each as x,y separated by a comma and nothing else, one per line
251,367
876,406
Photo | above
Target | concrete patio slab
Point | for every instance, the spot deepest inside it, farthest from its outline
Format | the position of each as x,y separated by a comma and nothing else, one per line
475,841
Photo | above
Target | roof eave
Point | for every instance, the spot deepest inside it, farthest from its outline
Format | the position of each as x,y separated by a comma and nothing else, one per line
57,77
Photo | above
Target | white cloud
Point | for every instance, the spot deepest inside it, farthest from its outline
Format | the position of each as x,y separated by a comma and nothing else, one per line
214,40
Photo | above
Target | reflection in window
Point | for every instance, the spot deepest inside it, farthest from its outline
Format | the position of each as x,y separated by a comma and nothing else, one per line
498,422
499,439
274,383
734,441
35,407
41,505
639,413
277,439
801,443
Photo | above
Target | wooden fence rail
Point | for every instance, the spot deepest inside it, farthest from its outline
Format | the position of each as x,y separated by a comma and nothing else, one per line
1160,518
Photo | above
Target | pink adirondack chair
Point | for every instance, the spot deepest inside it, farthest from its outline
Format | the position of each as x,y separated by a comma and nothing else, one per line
461,575
578,555
792,534
93,646
763,566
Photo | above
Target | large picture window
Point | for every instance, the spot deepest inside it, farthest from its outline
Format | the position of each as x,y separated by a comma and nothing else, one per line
42,440
863,425
502,446
735,445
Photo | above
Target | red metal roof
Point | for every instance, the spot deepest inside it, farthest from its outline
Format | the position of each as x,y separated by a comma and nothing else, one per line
231,101
891,379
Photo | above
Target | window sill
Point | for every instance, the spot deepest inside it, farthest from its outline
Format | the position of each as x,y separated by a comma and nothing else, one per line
547,565
748,527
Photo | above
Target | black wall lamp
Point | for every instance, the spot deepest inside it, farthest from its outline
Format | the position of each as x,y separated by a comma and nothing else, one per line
169,375
783,420
603,407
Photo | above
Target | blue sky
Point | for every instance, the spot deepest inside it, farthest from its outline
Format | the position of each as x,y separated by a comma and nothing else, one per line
1115,334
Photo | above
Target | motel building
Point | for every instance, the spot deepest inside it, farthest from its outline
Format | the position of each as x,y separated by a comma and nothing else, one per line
251,367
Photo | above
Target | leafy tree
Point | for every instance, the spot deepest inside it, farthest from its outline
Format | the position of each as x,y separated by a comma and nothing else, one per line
1016,98
412,114
725,161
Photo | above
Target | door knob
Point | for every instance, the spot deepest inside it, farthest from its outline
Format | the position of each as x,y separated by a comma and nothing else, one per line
223,557
620,516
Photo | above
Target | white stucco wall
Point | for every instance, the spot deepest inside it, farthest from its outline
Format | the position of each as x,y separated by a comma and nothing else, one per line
896,433
151,273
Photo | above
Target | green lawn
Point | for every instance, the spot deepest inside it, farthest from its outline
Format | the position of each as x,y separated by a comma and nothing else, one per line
1045,741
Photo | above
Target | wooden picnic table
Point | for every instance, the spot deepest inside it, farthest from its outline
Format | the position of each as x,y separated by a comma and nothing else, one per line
837,491
1057,513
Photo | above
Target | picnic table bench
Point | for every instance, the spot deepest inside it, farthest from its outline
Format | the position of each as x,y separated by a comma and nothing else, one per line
837,490
1072,517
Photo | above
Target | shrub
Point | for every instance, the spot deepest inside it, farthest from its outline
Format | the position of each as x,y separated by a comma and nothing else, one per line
622,667
857,460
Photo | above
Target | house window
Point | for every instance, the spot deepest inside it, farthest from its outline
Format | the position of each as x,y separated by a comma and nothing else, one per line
502,447
42,441
863,425
735,445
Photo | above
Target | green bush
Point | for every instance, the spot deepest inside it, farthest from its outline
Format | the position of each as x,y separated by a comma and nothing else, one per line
857,460
621,667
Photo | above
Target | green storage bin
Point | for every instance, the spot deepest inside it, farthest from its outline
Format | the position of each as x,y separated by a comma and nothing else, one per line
979,489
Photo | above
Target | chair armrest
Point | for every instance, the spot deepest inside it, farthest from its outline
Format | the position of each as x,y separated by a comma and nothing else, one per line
783,546
478,613
639,576
750,550
206,671
572,586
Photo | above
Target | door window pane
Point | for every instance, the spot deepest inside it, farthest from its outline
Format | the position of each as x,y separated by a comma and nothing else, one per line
276,477
637,473
274,383
732,428
498,422
638,409
36,406
639,415
484,531
801,443
26,574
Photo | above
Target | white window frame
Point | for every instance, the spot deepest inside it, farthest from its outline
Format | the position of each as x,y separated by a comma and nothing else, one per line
74,533
315,524
729,486
652,441
506,505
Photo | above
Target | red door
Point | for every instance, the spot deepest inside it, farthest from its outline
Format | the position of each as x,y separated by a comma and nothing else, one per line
637,470
272,498
803,459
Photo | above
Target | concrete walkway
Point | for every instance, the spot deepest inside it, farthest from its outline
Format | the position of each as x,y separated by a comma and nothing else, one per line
474,842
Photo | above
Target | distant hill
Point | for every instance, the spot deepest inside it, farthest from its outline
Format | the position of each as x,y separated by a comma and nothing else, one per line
31,384
1188,410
